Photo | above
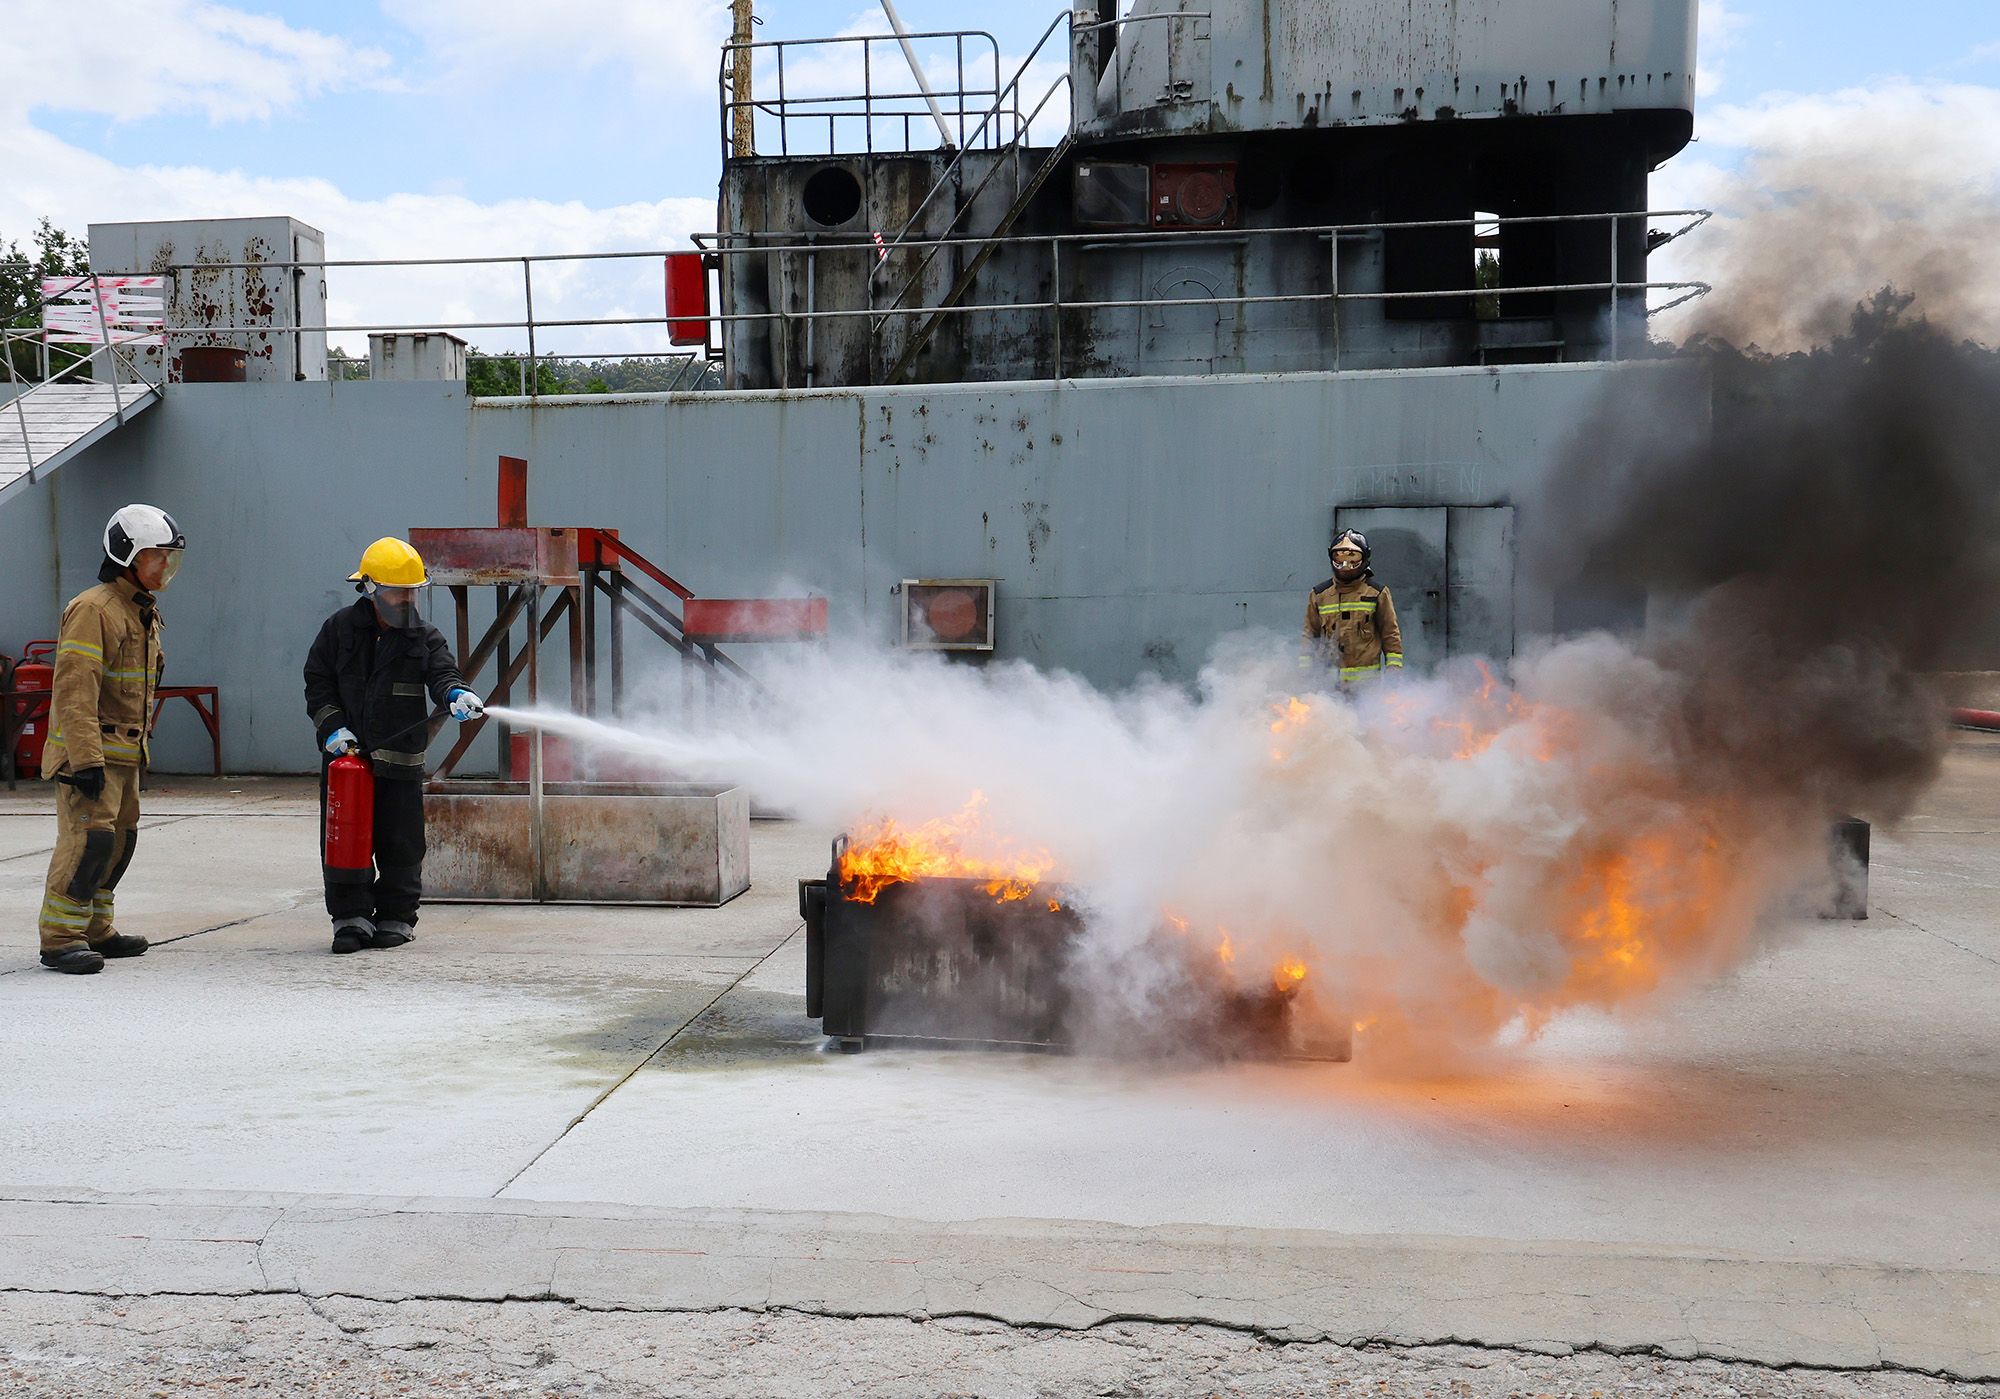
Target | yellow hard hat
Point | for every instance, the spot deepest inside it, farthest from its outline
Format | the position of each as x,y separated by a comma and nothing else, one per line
391,563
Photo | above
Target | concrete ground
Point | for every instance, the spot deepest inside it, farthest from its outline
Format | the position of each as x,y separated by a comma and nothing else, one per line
601,1151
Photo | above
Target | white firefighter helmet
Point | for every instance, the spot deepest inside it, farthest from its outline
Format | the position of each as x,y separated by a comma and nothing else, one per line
138,527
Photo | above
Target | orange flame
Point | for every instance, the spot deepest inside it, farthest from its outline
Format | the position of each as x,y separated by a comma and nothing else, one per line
1294,714
1632,905
953,847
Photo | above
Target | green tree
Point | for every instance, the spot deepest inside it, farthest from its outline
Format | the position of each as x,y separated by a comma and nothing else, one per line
54,253
1486,276
499,376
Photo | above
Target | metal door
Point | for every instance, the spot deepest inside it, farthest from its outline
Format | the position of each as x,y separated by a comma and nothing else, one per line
1479,571
1451,573
1409,552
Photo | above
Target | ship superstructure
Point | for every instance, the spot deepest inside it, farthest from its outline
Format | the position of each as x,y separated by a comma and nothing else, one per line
1079,361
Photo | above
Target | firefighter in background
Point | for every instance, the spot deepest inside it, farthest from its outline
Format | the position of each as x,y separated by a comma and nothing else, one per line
108,664
372,676
1350,619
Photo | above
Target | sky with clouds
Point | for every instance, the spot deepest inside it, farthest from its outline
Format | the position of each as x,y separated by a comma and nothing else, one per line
457,127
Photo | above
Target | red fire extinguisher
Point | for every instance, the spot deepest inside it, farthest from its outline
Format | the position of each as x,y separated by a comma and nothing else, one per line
350,814
36,672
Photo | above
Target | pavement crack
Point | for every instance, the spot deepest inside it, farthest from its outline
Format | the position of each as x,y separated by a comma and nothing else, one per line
232,923
148,825
1278,1336
1931,933
657,1050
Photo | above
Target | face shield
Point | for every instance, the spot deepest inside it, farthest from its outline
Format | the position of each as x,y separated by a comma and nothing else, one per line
154,568
1346,561
398,608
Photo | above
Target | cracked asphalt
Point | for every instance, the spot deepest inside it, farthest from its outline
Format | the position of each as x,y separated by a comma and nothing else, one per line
345,1349
600,1151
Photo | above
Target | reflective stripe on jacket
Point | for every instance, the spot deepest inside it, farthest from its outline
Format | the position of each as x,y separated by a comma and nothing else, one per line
1351,627
108,664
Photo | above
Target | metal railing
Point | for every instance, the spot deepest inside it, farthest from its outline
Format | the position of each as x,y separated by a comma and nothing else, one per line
534,326
793,114
1065,253
111,351
988,129
1069,248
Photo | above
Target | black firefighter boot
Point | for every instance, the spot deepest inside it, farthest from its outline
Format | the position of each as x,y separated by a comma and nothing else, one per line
390,932
120,945
352,934
77,961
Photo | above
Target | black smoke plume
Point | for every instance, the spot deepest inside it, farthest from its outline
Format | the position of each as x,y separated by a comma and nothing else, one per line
1816,555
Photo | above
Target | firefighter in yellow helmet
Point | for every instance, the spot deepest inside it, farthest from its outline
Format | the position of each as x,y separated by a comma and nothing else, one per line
372,677
1350,619
108,664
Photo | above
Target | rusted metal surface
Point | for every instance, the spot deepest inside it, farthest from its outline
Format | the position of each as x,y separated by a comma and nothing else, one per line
1190,66
684,845
715,620
240,283
480,555
942,960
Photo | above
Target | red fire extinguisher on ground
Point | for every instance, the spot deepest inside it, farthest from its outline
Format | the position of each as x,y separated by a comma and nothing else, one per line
350,814
36,672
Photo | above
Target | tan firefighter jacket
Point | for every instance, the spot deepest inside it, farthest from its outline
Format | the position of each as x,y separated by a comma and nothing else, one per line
108,664
1352,627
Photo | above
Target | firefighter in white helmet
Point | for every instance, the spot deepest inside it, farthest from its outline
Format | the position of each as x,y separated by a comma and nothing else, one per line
1351,619
108,664
373,674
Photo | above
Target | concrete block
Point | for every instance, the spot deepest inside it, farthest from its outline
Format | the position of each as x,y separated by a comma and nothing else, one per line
602,842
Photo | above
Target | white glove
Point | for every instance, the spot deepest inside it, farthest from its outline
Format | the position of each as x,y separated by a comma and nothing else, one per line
466,705
342,741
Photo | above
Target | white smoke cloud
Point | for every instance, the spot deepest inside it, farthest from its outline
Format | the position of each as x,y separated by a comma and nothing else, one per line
1447,858
1831,197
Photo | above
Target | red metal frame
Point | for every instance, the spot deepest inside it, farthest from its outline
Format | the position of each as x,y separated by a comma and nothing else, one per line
211,713
714,620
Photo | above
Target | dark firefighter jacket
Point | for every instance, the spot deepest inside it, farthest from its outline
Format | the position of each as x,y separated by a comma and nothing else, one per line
379,682
1353,626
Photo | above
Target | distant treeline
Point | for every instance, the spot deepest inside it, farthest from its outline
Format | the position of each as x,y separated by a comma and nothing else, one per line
497,376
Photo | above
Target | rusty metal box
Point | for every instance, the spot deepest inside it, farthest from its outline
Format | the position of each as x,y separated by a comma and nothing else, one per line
486,555
681,844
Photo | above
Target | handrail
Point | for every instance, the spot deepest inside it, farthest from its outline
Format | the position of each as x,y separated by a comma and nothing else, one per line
871,109
628,554
951,174
107,347
1060,246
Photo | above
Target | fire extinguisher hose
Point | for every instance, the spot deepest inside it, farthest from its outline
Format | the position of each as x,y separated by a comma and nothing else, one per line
424,722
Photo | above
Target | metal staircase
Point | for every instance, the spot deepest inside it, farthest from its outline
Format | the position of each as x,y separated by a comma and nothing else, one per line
983,246
47,424
54,417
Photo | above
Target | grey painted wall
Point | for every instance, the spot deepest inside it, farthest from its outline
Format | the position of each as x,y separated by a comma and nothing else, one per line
1130,522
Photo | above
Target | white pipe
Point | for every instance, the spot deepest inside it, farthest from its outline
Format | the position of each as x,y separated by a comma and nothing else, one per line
917,72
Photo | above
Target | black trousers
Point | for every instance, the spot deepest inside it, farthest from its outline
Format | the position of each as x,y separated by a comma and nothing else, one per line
396,885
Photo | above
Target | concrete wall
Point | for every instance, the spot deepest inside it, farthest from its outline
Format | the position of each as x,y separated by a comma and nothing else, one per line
1130,522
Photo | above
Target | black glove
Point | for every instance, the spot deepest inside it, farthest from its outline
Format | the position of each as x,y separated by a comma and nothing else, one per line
89,783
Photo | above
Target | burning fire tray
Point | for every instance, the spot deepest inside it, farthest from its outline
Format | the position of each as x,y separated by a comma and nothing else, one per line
949,961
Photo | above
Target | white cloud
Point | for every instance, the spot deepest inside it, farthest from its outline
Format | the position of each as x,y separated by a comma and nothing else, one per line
1834,196
1722,26
75,187
661,45
137,58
